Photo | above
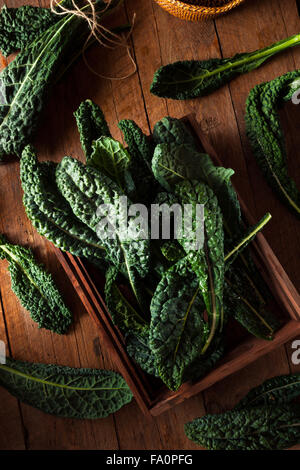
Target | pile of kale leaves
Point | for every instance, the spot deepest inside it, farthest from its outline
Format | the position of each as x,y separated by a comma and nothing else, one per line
171,302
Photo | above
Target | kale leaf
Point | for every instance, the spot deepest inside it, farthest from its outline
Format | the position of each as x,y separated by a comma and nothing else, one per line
35,288
192,78
65,391
26,81
86,189
50,213
275,391
266,136
91,125
259,428
178,331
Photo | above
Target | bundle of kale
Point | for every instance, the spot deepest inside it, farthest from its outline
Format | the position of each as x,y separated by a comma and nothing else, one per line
48,44
171,301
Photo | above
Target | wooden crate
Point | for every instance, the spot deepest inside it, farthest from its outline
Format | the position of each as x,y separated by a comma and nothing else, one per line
150,393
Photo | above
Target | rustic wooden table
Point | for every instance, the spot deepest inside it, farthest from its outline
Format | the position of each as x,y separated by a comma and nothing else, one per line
158,38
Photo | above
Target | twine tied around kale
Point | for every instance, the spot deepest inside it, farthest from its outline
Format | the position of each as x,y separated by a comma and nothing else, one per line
104,36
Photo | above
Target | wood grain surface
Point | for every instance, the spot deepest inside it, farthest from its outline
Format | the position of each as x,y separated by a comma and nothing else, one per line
157,39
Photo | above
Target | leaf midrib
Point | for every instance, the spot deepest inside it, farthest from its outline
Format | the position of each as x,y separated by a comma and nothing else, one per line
268,52
16,261
53,384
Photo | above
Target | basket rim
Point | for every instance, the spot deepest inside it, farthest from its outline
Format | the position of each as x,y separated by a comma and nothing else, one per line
201,8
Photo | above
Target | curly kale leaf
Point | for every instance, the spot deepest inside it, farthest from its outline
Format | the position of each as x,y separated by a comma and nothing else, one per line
30,75
65,391
248,311
205,362
275,391
27,80
138,348
259,428
172,251
91,125
173,162
266,136
51,214
140,146
123,314
35,288
20,26
171,130
178,331
141,150
87,189
109,156
207,261
192,78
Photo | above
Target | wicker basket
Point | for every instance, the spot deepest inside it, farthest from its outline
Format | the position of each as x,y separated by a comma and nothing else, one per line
197,10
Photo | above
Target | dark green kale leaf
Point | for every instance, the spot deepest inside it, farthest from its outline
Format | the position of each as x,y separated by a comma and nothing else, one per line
178,331
205,362
259,428
124,315
173,162
275,391
50,213
140,146
247,310
110,157
207,261
27,80
35,288
138,348
86,189
91,125
191,78
169,130
266,135
172,251
65,391
247,238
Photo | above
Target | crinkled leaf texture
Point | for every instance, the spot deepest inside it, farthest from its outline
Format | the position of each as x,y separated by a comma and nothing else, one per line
178,331
191,78
50,213
275,391
86,189
138,348
141,149
91,125
27,80
259,321
110,157
171,130
266,136
259,428
20,26
207,261
124,315
173,162
64,391
35,288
